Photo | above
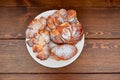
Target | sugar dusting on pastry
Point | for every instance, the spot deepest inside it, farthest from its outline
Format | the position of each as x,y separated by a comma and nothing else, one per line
55,35
44,53
65,51
38,24
30,33
66,34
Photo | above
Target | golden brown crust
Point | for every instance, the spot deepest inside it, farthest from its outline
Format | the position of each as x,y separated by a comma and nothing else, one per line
62,27
71,15
44,53
30,42
50,22
63,54
35,27
37,48
40,44
38,24
66,33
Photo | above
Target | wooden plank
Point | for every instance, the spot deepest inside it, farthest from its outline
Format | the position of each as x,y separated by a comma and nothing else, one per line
98,56
98,23
11,3
115,3
60,3
13,22
60,76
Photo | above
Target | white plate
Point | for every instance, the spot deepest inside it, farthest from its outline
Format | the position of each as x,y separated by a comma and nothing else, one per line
51,63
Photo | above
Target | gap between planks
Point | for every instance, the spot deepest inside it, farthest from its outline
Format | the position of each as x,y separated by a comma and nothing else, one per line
68,73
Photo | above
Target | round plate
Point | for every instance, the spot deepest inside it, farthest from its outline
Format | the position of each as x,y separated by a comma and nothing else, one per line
50,62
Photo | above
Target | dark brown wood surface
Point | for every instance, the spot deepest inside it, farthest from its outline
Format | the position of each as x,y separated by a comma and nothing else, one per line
98,23
99,60
98,56
60,77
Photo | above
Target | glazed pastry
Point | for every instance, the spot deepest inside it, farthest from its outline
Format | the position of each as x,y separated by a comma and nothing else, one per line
64,52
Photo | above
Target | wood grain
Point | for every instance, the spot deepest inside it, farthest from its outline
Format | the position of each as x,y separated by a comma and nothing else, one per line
13,22
98,23
11,3
99,60
98,56
60,3
60,76
115,3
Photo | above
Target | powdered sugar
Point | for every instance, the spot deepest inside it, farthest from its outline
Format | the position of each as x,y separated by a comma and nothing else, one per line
63,12
74,31
52,45
30,33
59,28
66,34
46,37
66,51
46,50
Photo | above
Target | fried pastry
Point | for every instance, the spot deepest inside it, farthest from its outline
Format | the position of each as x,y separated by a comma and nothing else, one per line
30,42
35,26
50,22
63,52
55,35
39,44
59,17
44,53
30,33
38,24
71,16
67,33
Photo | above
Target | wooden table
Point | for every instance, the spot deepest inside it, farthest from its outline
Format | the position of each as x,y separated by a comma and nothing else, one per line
99,60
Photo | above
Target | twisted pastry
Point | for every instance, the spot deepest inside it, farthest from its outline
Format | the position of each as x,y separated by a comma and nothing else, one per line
38,38
66,33
62,27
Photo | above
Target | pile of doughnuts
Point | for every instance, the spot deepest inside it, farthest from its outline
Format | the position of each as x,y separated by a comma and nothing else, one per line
62,29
